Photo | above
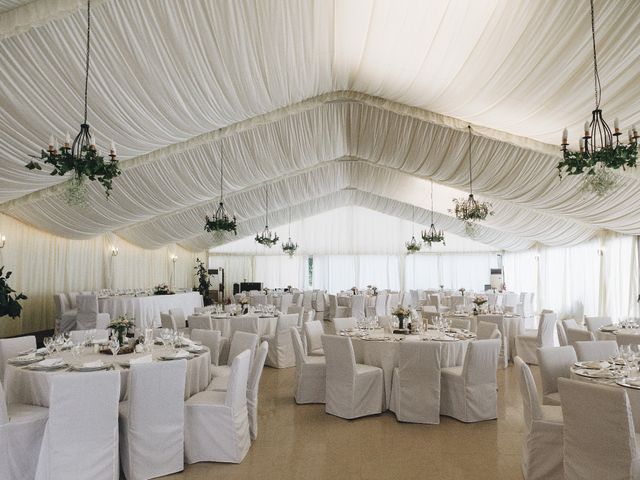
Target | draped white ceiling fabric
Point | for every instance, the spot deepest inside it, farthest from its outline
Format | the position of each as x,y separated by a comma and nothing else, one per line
329,103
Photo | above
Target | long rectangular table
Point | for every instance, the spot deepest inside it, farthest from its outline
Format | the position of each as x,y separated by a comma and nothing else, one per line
146,309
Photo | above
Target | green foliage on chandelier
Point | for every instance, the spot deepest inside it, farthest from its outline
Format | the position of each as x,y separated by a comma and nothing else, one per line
267,241
220,225
89,164
9,299
470,210
577,163
413,247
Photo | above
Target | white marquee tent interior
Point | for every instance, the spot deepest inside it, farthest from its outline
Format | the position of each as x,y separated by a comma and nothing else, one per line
332,105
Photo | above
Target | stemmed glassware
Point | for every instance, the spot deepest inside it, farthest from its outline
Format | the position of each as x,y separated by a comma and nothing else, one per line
114,346
48,344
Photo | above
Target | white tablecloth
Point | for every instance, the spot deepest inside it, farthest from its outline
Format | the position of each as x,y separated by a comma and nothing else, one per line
386,355
147,309
33,387
228,325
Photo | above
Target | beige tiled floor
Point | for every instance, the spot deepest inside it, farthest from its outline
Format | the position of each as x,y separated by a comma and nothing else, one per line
302,442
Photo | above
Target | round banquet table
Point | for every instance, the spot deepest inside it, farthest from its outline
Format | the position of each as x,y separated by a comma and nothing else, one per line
608,333
33,387
385,354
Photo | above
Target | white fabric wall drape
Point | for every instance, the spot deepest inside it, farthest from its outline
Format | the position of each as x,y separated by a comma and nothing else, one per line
452,270
43,264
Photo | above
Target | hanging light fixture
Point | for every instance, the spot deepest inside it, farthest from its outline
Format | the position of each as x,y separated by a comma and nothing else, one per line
267,237
221,220
432,235
289,247
470,210
413,246
598,156
80,157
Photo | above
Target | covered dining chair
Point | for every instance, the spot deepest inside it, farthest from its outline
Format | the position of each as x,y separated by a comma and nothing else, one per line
311,373
88,316
531,340
595,350
281,353
12,347
555,363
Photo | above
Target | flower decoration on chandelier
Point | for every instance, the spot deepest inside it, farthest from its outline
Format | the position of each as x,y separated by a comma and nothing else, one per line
80,157
470,210
599,154
289,247
267,237
432,235
412,246
221,220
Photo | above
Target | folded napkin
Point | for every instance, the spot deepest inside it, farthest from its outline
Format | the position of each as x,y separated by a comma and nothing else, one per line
41,350
95,364
595,365
26,358
50,362
633,381
181,354
27,352
144,359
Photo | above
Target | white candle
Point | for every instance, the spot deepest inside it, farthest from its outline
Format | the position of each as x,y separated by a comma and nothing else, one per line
565,135
586,128
67,140
616,124
635,130
581,144
630,135
94,141
113,148
51,140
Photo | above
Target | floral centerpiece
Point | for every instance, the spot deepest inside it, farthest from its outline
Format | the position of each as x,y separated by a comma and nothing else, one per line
372,289
402,313
354,290
120,327
462,290
441,287
162,289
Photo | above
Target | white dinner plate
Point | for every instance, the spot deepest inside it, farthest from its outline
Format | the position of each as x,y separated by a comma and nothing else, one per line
168,358
42,368
592,365
583,372
81,368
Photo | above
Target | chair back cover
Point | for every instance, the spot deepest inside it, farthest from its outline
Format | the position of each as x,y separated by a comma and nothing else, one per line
419,378
307,297
530,403
156,420
299,311
381,304
11,347
298,348
210,339
179,319
253,386
597,350
73,296
314,331
393,299
555,362
166,320
341,364
594,323
485,330
240,342
385,323
81,437
285,302
481,362
87,311
345,323
570,323
236,396
258,299
597,417
562,335
4,415
578,335
463,323
60,301
200,322
546,328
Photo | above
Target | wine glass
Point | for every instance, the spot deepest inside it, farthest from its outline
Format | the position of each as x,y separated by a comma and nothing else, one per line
114,346
48,344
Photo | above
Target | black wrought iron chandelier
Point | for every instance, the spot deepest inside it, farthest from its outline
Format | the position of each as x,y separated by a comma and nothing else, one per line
432,235
599,153
289,247
412,246
80,157
470,210
267,237
221,220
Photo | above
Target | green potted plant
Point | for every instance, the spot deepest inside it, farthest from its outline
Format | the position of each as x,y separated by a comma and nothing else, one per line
9,299
204,283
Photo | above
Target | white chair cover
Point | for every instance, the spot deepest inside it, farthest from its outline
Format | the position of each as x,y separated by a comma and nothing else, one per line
499,321
352,390
598,350
347,323
578,335
12,347
298,311
542,445
81,437
240,342
258,299
393,300
386,323
415,387
531,340
469,394
88,316
313,331
210,339
285,302
594,323
216,425
562,335
200,322
152,420
555,362
253,386
486,330
597,417
463,323
307,297
310,373
73,297
21,432
336,311
281,353
166,320
319,306
381,304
